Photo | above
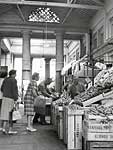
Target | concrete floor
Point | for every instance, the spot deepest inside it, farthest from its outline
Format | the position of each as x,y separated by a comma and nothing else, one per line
45,138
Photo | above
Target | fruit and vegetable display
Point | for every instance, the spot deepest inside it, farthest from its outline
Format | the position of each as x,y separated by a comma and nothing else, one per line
104,78
103,83
62,101
100,110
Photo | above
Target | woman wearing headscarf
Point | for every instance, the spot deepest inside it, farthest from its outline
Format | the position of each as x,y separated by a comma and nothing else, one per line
31,94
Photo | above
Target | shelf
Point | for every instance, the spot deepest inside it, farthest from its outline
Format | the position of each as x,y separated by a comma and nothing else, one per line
98,98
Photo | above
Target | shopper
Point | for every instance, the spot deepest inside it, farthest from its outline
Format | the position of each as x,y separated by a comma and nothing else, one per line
31,94
10,96
41,110
75,88
3,75
66,87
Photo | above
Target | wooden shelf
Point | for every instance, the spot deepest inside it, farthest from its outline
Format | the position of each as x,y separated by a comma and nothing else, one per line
98,98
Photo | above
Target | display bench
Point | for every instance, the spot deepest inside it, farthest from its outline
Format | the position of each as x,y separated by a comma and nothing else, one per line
72,127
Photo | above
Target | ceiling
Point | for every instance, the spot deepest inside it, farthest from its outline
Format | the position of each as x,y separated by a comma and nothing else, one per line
74,15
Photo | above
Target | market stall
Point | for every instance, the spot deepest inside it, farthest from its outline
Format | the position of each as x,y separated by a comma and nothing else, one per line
84,126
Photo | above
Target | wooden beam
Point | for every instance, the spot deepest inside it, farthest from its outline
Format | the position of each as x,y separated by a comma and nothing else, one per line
52,4
21,14
40,27
68,13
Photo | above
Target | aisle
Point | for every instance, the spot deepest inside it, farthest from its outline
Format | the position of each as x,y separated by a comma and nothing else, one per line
44,139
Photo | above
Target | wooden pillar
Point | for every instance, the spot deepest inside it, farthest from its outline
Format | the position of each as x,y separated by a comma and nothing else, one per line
59,60
87,35
47,68
26,57
26,61
0,52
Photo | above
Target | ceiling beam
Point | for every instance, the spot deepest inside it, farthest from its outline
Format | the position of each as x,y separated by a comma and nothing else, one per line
53,4
69,1
68,13
70,36
21,14
41,27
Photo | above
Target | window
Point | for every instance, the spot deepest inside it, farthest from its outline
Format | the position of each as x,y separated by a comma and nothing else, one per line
94,41
77,54
100,36
111,27
43,15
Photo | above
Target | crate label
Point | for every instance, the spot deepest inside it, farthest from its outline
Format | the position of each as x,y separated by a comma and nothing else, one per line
99,136
98,127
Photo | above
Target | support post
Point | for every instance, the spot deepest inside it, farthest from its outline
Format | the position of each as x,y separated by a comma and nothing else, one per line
59,60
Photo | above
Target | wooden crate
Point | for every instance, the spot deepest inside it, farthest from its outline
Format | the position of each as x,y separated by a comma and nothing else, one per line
96,136
65,124
73,128
54,116
99,145
60,121
97,126
98,98
52,113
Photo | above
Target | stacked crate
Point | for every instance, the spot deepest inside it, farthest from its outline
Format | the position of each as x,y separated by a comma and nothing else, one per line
54,116
65,119
60,121
97,131
72,127
99,145
52,113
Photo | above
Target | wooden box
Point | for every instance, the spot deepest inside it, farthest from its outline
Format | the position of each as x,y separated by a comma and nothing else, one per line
98,136
65,124
60,121
99,145
97,126
73,128
54,119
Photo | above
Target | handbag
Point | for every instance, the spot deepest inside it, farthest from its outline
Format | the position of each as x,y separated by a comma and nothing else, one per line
16,115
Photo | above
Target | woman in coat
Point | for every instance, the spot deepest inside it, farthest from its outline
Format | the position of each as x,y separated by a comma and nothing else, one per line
10,95
31,94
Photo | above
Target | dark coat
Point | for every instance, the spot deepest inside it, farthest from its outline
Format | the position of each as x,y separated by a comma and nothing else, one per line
9,88
74,89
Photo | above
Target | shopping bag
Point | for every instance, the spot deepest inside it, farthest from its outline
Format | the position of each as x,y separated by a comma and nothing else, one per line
16,115
40,104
